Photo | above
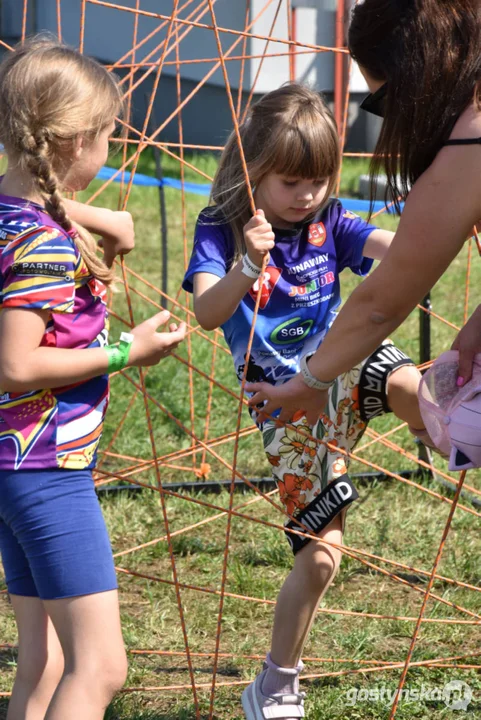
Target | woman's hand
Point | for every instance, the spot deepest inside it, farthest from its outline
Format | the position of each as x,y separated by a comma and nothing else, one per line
118,236
468,344
259,238
292,396
150,346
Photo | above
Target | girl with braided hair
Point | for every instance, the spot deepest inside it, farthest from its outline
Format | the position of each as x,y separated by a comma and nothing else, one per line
58,110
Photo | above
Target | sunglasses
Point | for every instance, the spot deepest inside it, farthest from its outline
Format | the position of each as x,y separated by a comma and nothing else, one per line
374,102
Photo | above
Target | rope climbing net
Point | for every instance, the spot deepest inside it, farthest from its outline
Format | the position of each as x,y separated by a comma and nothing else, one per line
191,405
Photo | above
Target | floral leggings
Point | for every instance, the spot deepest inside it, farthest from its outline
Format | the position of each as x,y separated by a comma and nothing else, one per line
312,478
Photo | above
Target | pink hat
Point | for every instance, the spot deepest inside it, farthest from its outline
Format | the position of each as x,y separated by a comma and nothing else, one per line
452,415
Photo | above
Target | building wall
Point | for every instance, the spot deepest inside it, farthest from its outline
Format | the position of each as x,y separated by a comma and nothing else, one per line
206,118
110,33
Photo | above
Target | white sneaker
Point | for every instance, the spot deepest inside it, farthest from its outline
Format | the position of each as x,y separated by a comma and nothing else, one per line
273,707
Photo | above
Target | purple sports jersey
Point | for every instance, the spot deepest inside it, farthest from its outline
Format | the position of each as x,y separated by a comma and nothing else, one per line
300,291
41,269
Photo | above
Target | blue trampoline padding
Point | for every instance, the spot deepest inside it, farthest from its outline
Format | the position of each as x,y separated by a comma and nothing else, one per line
364,205
106,173
204,188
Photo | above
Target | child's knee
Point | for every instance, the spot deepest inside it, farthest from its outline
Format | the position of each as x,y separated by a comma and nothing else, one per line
114,677
319,565
405,381
402,395
106,672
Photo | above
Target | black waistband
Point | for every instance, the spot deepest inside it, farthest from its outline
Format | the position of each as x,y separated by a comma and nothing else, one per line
464,141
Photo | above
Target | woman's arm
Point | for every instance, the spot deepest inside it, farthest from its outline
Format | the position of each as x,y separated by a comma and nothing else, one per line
439,214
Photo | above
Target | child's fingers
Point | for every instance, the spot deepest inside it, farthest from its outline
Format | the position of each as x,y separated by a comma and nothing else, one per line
159,319
257,221
267,410
256,399
256,388
179,332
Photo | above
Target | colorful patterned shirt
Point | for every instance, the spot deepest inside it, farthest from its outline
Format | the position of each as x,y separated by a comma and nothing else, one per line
42,269
300,291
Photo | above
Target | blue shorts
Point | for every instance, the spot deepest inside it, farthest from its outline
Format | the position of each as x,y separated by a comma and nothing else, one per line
53,539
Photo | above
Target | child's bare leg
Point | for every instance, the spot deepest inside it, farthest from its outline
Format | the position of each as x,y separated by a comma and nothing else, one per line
315,567
402,393
40,660
89,631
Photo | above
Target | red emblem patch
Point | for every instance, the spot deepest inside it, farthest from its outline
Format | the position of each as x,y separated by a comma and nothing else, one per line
97,289
317,234
269,282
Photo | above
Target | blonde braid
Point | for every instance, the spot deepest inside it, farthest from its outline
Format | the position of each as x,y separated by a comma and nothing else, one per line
35,149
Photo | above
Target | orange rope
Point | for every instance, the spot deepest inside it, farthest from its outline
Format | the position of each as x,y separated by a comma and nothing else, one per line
247,356
324,611
426,597
184,241
130,468
24,20
229,31
259,67
304,532
290,36
243,57
162,45
129,101
468,280
142,378
197,61
59,21
119,62
83,8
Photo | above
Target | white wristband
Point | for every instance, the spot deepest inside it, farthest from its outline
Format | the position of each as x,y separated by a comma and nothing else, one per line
250,269
309,378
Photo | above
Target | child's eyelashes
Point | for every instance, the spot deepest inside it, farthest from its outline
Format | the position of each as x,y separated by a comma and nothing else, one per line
317,183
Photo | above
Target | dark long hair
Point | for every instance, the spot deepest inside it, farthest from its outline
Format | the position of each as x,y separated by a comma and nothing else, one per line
429,53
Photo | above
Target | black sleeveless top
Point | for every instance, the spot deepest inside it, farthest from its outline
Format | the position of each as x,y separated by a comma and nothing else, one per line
464,141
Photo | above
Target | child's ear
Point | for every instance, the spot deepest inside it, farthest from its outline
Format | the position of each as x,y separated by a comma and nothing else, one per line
78,146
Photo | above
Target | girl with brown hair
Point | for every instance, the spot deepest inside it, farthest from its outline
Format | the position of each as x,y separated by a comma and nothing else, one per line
292,152
422,62
58,110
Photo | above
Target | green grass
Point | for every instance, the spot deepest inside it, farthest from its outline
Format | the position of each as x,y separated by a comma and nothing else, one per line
392,519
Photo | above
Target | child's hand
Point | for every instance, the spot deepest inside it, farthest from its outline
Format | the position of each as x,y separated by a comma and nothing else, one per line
118,238
259,238
150,346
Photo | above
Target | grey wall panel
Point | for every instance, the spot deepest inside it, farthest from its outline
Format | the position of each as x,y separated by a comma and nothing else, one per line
109,32
207,118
